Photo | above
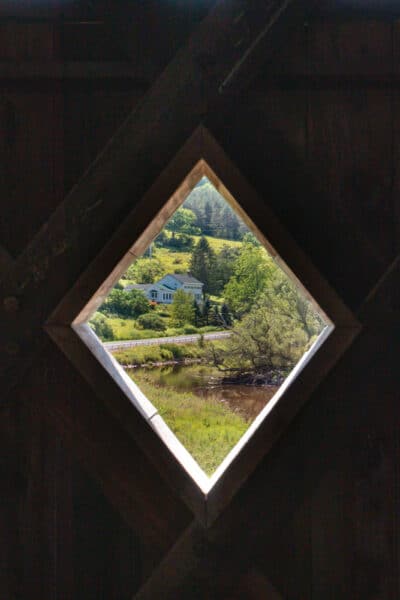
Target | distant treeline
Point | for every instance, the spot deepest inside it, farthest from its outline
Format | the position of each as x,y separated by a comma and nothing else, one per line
214,216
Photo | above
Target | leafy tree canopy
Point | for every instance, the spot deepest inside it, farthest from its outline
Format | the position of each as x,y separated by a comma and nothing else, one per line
274,334
101,327
125,304
145,270
182,309
183,221
251,271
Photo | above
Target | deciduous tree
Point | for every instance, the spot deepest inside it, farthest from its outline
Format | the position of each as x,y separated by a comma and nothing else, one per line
182,310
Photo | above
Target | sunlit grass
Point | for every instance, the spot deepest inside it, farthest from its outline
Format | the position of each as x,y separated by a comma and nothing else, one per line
207,428
180,261
217,243
144,355
173,261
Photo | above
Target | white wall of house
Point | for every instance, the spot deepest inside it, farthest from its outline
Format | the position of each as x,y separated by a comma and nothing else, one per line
158,293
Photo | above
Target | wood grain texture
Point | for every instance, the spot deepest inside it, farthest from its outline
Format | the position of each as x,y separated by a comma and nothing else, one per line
171,110
319,517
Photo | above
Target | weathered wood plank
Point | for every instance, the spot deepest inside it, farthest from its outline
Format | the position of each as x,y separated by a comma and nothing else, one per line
318,441
34,72
6,262
156,128
97,440
29,193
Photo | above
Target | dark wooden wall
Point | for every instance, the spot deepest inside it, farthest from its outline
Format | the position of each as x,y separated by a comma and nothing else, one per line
318,133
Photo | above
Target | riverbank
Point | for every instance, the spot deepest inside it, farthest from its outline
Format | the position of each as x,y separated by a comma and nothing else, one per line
206,427
160,355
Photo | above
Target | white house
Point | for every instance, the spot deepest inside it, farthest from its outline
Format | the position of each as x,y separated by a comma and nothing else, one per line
163,291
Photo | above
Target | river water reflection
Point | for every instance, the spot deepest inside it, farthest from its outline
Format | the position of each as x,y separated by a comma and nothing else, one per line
204,381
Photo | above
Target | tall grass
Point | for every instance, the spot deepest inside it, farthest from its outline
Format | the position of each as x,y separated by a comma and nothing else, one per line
206,427
145,355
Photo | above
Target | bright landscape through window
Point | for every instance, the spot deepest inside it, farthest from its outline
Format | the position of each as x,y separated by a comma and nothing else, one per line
207,325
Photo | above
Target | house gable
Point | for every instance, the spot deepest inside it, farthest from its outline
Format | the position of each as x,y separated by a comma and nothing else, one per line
163,291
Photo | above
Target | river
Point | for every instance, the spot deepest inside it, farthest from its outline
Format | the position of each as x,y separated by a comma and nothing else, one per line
204,381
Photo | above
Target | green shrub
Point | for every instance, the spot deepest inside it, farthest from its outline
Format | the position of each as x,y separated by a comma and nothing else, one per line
188,329
141,355
101,327
151,321
123,303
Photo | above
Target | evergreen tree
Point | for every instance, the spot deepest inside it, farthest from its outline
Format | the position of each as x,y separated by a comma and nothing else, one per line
202,265
197,318
215,317
205,311
208,218
226,316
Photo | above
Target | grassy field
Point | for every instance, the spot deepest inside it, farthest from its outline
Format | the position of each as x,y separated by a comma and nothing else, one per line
180,261
206,428
126,329
173,261
143,355
217,243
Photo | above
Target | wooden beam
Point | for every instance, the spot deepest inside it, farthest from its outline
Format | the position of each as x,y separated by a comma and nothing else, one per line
56,71
6,262
277,489
176,103
109,455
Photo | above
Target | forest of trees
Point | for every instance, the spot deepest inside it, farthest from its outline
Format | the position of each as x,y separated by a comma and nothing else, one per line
214,216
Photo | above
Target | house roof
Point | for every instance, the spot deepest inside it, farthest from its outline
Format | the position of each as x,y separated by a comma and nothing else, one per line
160,285
185,278
139,286
145,287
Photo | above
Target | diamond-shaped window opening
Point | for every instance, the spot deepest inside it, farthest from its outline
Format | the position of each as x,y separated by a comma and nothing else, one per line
202,161
261,328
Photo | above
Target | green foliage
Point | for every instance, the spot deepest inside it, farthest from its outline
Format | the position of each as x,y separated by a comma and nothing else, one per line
151,321
179,243
197,318
224,267
205,311
214,216
226,316
215,316
183,221
251,272
182,310
125,303
207,428
262,343
101,327
188,329
287,300
144,355
250,238
145,270
202,265
274,334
